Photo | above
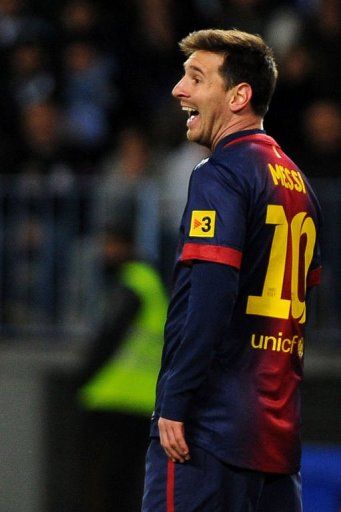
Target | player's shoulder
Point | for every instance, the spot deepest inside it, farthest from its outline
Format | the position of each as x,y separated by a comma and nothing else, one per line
242,158
212,167
207,174
214,174
202,163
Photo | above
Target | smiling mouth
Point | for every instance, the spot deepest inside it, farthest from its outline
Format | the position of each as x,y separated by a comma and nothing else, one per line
191,112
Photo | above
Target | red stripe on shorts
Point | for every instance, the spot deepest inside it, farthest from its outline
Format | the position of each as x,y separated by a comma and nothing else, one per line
170,486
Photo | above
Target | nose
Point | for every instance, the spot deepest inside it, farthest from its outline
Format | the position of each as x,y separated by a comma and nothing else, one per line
179,90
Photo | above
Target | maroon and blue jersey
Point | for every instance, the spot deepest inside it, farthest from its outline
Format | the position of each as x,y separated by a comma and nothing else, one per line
249,208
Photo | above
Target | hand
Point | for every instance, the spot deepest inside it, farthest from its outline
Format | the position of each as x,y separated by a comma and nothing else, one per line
172,438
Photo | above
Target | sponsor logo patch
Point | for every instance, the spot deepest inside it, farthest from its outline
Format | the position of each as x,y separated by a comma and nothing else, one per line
203,223
280,343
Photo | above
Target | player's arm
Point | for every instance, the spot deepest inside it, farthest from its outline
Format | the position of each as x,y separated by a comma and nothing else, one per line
213,293
214,229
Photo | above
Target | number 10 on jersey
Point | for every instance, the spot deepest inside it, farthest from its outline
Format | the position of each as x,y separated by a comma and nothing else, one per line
271,303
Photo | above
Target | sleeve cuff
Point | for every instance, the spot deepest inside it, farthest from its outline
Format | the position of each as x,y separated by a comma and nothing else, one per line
174,409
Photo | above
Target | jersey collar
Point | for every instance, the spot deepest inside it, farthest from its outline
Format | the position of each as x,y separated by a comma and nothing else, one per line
255,135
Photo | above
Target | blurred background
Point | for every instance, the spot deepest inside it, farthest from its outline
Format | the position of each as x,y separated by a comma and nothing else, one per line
94,168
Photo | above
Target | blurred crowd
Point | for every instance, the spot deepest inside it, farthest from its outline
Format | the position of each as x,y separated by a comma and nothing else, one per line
75,73
86,106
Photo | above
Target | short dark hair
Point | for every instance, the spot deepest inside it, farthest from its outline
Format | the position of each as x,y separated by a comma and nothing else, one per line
247,58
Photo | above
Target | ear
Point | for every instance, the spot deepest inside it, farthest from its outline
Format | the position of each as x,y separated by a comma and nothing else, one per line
240,97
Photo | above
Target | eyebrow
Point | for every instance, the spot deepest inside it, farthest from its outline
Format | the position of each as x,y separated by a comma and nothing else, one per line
193,68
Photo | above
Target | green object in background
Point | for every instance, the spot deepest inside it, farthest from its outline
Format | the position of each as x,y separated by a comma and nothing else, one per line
127,382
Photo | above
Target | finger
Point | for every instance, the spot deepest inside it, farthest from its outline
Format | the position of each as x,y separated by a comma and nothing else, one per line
168,441
174,445
179,435
180,442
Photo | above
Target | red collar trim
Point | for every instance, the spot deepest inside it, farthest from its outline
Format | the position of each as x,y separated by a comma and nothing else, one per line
257,137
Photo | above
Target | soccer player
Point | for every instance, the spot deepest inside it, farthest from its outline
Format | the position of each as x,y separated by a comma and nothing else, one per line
225,431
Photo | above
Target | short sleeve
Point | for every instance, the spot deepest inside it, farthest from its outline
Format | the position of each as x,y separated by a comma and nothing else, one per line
214,224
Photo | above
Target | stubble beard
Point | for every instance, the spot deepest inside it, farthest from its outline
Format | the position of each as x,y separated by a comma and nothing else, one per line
197,139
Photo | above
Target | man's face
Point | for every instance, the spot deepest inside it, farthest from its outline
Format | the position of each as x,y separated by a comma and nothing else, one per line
202,92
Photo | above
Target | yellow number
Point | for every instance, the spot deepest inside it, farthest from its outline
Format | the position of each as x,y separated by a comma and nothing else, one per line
301,225
270,303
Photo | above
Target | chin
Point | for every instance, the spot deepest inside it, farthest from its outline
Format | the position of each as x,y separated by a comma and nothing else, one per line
192,137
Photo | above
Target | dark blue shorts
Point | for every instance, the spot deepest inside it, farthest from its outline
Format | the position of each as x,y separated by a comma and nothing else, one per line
205,484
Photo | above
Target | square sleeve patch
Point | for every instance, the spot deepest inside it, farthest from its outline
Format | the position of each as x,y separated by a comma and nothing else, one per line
203,223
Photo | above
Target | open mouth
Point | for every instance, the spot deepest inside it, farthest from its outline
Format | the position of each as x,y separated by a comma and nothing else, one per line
191,112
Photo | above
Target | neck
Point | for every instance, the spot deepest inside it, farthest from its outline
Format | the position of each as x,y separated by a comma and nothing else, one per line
237,125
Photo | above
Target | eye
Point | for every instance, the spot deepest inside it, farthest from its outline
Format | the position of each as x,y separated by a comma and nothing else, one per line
196,80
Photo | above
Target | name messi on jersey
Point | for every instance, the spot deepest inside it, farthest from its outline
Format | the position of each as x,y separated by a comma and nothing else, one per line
288,178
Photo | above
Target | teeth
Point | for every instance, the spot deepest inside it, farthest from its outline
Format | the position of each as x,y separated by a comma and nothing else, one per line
189,110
